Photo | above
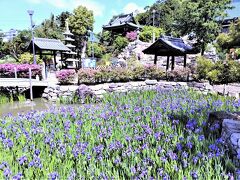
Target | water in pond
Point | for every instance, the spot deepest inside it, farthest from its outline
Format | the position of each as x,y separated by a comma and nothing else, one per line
19,107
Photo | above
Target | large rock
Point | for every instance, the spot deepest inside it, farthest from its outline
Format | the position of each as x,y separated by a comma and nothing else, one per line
151,82
218,117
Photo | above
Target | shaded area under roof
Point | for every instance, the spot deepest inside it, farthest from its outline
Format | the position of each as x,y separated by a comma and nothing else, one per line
49,44
169,46
123,21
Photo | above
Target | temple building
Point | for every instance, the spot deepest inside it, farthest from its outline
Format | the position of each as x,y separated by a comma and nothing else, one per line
122,24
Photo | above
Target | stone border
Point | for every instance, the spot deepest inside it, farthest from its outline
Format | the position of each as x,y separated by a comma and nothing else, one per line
54,92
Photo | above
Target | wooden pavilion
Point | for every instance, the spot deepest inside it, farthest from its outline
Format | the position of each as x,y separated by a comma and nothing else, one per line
170,47
122,24
44,46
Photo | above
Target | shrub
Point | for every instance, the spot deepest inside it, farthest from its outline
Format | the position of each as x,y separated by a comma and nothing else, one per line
8,70
153,72
213,76
121,75
27,58
65,76
147,33
120,43
99,50
131,36
204,66
179,74
87,75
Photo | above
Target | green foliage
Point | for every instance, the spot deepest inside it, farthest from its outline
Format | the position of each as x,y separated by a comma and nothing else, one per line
220,72
200,18
213,76
27,58
153,72
99,50
49,29
81,21
105,60
165,16
204,66
61,19
147,33
179,74
18,45
225,41
120,43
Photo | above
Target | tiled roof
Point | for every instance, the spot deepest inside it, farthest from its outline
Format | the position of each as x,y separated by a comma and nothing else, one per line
123,20
169,46
50,44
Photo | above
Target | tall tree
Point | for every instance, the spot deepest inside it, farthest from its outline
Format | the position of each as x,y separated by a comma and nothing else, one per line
49,29
61,19
18,45
201,17
165,14
80,22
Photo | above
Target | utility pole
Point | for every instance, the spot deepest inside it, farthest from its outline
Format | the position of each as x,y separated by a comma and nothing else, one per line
31,12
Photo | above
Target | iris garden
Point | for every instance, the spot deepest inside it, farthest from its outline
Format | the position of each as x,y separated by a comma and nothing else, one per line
161,134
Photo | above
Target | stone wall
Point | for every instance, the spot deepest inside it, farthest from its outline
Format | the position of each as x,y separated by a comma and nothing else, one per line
53,93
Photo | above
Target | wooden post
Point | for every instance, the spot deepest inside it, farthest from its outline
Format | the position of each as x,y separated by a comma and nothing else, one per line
55,62
167,66
155,59
185,61
173,59
30,84
15,72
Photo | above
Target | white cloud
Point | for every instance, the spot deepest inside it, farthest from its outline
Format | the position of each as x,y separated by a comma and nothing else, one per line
132,7
93,5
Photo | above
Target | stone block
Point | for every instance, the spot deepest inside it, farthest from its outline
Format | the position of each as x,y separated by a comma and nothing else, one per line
72,88
234,138
64,88
151,82
99,92
96,87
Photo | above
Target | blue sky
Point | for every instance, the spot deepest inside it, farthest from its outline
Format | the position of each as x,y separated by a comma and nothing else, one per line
13,13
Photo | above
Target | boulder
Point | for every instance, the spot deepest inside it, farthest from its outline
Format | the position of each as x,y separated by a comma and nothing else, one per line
151,82
219,116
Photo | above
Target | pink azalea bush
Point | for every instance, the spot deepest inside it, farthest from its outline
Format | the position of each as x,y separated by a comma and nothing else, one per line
65,76
131,36
8,70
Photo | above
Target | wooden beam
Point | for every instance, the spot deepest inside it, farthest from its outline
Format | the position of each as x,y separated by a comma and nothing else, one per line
155,59
167,66
173,62
55,61
185,61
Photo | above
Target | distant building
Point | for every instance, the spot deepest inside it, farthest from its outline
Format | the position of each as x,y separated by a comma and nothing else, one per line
227,23
9,35
122,24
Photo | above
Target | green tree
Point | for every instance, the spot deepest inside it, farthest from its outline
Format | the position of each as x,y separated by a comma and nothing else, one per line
226,41
18,45
99,50
200,17
165,15
49,29
147,33
81,21
28,58
119,44
61,19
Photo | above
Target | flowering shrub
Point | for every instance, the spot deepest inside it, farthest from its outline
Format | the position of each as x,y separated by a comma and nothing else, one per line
153,72
8,70
179,74
131,36
128,136
119,74
65,76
